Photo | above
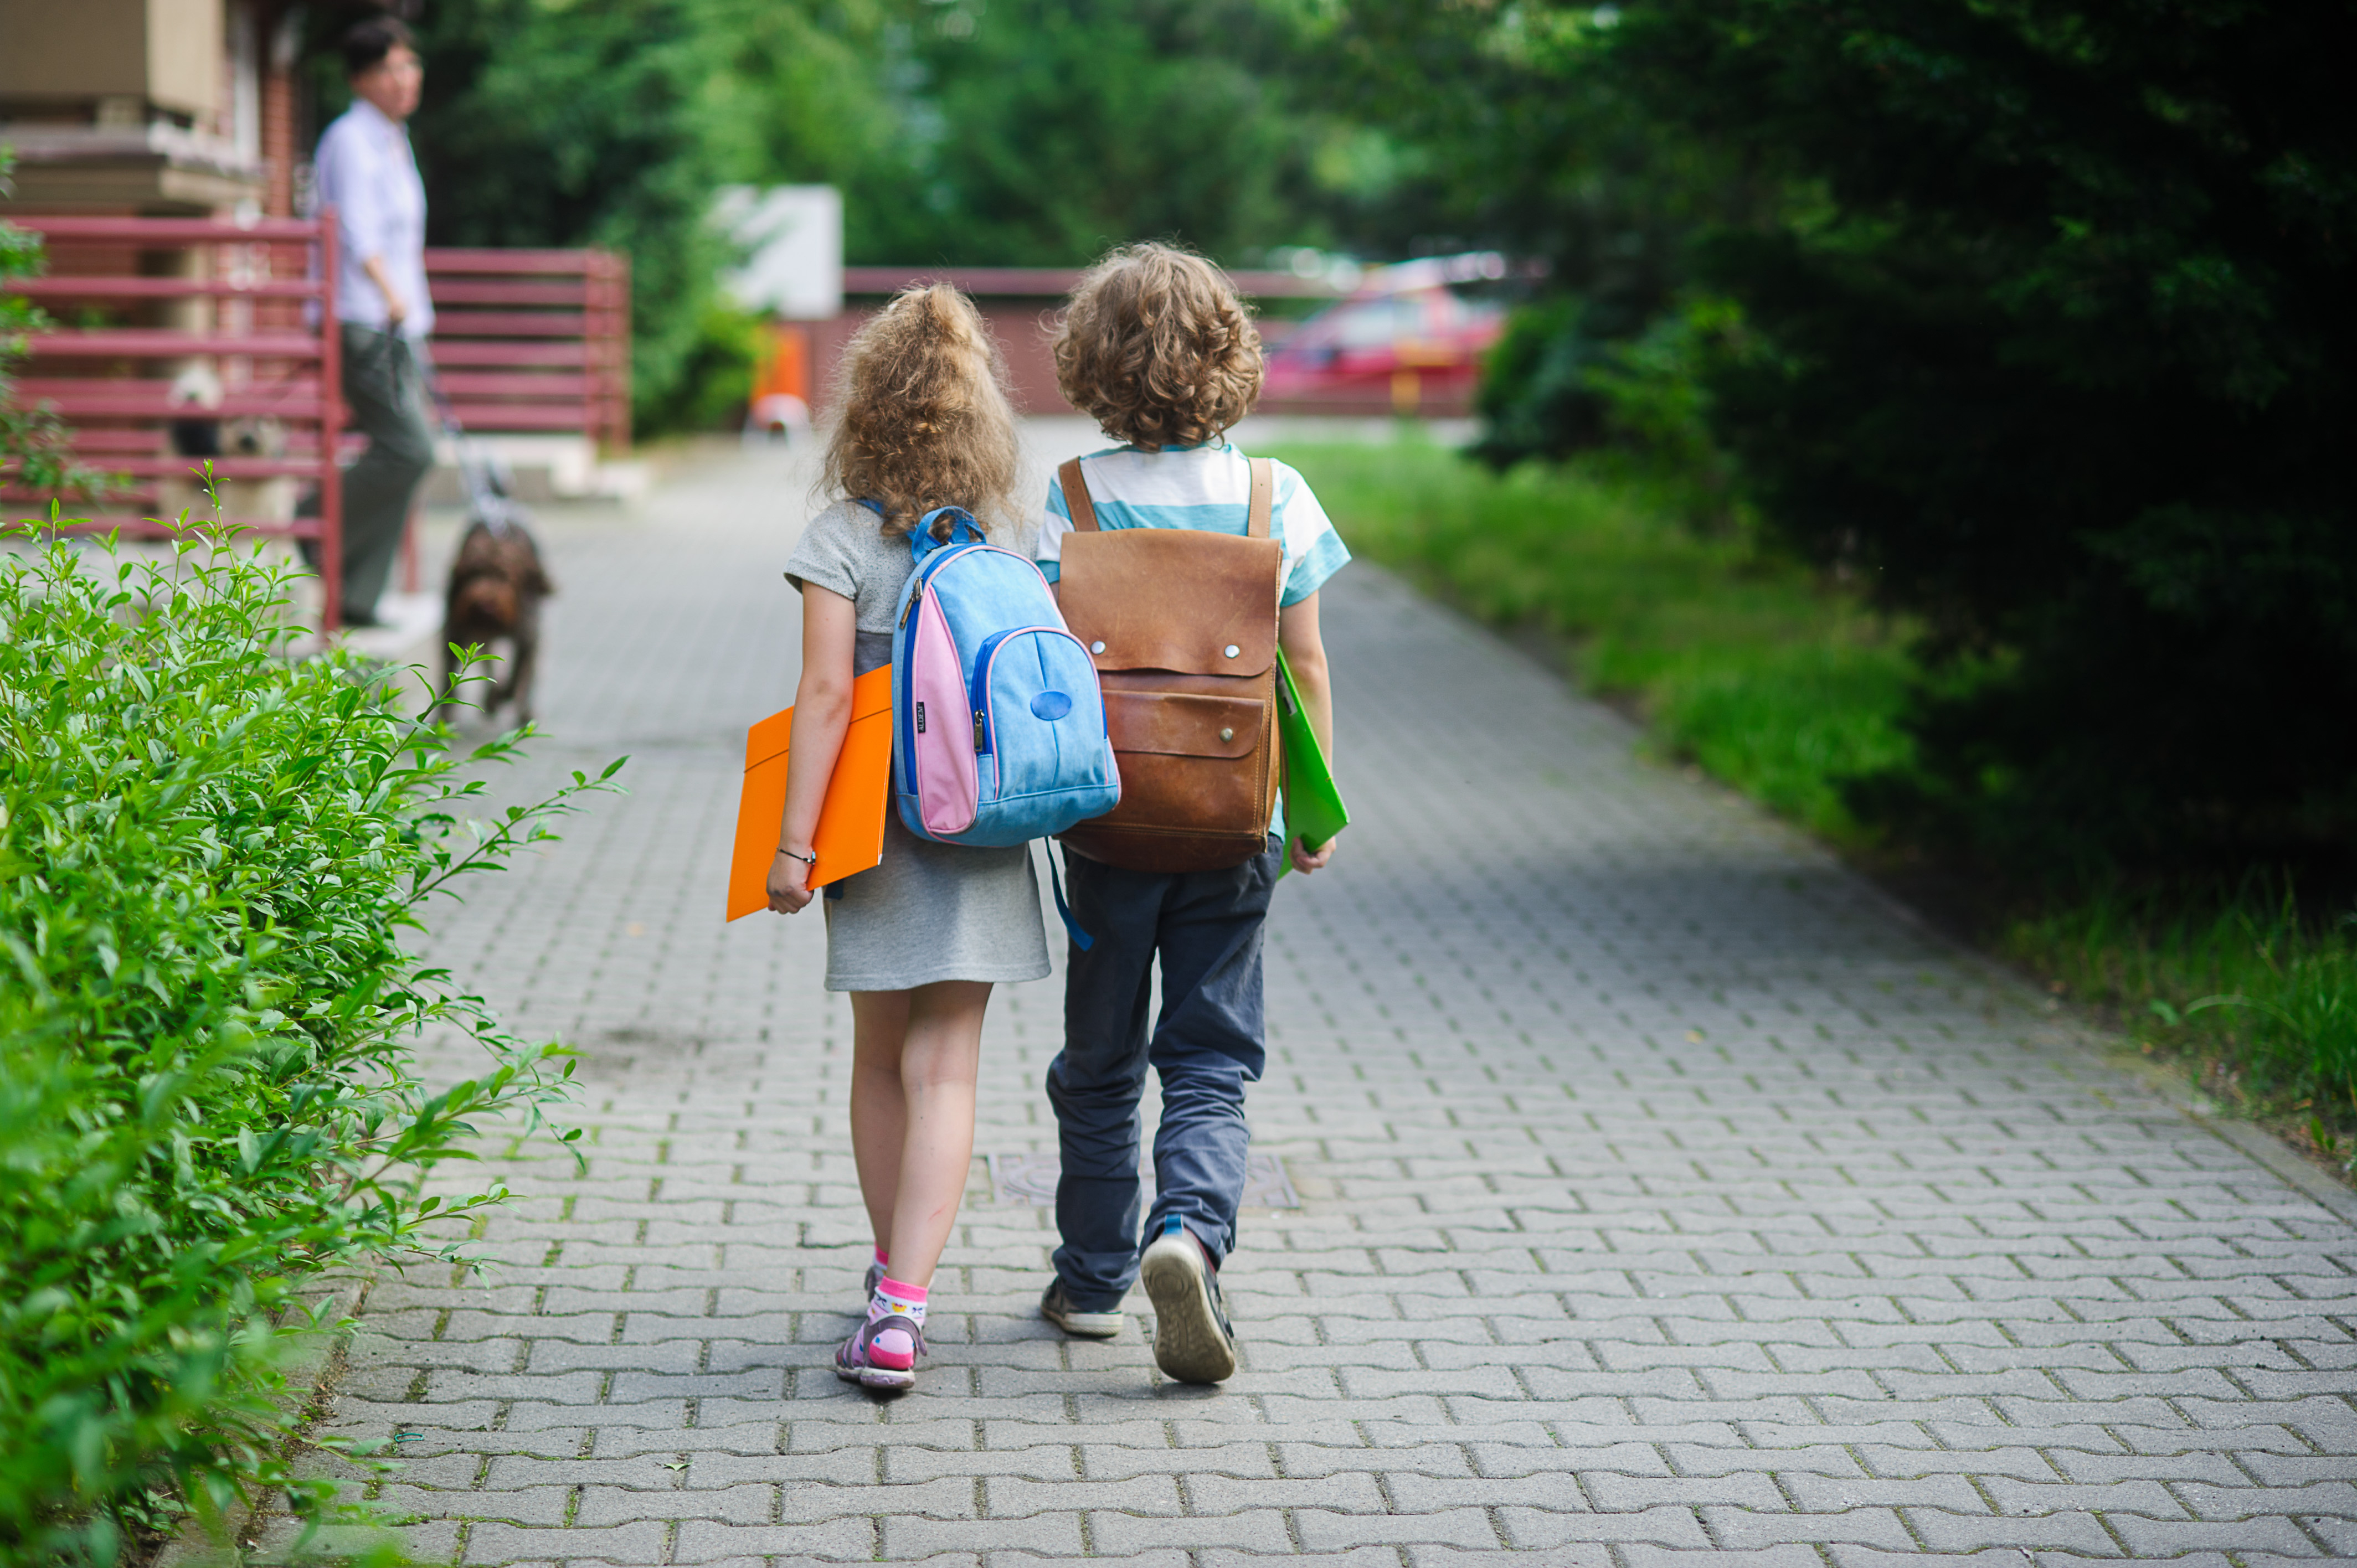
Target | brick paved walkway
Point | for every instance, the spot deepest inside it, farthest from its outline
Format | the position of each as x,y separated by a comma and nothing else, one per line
1664,1191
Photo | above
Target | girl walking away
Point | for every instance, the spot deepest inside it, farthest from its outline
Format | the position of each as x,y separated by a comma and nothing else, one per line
919,938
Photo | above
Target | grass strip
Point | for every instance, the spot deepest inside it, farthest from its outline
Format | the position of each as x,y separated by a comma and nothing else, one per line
1736,658
1783,684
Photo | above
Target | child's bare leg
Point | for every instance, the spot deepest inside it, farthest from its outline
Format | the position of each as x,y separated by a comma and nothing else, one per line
879,1111
938,1058
914,1056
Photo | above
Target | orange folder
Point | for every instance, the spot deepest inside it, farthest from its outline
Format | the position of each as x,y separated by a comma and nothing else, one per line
850,836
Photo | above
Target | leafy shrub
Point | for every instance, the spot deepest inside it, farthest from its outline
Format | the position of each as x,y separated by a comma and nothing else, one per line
717,380
209,852
1636,405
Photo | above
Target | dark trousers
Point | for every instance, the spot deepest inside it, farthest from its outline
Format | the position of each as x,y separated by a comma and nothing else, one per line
1207,1043
384,387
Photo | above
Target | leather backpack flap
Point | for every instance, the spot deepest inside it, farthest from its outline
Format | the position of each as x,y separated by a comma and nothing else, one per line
1196,764
1174,599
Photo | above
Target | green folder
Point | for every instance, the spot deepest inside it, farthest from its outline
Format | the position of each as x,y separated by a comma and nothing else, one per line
1314,811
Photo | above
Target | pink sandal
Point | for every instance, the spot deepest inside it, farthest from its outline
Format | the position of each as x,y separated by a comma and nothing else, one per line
882,1354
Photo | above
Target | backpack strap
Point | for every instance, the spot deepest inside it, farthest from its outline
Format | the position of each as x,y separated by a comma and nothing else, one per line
1076,497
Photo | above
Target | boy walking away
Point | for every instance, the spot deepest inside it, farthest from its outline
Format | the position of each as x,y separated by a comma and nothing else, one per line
1159,349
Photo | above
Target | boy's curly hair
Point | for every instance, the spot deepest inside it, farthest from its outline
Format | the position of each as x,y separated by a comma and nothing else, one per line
1156,346
925,420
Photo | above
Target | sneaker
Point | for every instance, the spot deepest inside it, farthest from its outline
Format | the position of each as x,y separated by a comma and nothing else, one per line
882,1355
1193,1340
1057,1307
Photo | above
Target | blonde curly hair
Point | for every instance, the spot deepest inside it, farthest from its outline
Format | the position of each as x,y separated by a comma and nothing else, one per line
1156,346
925,420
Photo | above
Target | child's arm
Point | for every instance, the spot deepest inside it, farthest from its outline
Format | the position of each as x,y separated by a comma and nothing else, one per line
821,715
1305,650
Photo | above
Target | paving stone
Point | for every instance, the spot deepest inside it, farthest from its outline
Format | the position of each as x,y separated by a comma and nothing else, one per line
1665,1189
836,1541
1538,1530
1787,1556
1256,1530
1944,1532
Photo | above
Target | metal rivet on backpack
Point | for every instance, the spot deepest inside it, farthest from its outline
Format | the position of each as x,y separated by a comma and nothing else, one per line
1097,648
1232,650
1227,734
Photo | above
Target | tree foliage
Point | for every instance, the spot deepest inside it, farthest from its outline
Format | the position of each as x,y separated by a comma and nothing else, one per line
607,124
1041,132
2060,356
1528,147
1022,132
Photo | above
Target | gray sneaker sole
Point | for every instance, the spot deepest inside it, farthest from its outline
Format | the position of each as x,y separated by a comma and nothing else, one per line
1082,1325
1087,1325
1189,1343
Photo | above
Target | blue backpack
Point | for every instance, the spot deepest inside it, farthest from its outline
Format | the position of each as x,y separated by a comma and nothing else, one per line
999,725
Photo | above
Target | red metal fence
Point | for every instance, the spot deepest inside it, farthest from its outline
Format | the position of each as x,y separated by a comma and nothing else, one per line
226,328
219,326
534,340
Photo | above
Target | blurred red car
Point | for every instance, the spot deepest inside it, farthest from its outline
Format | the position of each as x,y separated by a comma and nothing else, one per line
1405,342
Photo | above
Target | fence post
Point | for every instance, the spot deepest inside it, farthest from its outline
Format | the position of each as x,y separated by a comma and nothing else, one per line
617,411
331,430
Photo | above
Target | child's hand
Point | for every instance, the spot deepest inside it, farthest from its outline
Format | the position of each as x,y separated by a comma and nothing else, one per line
1307,859
788,883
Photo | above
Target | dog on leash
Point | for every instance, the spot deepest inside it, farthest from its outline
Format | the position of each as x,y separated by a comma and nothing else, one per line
497,582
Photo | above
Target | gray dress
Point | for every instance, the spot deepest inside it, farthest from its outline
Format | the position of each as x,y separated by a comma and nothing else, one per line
927,912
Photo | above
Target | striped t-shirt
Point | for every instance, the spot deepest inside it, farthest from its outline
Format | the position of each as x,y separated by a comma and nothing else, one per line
1206,487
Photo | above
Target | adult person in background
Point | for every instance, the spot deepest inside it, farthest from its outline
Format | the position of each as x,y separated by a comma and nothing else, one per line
366,171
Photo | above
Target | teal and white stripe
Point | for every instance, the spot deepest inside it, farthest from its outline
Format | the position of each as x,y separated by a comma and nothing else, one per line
1199,487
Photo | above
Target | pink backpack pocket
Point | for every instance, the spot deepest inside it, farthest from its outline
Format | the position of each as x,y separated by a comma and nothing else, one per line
942,755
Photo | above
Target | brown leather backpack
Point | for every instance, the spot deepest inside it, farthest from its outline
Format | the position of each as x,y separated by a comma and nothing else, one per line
1182,624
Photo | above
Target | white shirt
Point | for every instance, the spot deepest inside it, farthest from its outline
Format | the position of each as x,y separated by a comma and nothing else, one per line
367,172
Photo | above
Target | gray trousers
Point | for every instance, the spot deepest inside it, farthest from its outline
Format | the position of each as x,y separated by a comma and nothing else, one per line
384,387
1209,1041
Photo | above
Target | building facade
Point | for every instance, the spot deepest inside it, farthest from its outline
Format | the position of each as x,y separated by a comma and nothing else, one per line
151,108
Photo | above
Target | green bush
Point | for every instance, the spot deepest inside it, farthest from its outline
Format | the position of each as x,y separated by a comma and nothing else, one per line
209,854
717,380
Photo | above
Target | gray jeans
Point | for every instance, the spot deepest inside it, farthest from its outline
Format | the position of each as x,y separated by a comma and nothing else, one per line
384,387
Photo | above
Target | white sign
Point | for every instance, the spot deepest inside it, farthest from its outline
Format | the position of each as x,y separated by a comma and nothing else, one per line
792,239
